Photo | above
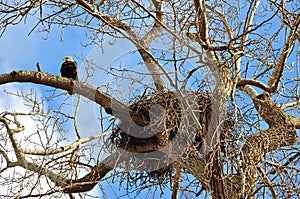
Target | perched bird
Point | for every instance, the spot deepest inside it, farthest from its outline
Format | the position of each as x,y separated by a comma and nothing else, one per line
69,68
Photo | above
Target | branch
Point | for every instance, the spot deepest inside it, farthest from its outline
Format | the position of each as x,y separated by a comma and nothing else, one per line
22,162
67,84
199,167
257,146
296,122
249,22
291,104
202,20
38,66
196,165
176,185
157,27
111,105
89,181
59,180
277,73
17,150
64,148
268,182
117,24
224,20
244,82
266,107
271,112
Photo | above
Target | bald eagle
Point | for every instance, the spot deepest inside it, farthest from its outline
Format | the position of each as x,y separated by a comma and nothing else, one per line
69,68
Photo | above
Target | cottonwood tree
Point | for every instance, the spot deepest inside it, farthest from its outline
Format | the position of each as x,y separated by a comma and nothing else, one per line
218,119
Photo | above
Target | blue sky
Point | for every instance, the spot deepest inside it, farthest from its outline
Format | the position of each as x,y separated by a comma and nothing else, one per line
21,52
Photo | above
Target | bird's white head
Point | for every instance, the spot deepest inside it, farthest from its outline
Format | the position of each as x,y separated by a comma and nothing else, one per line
68,58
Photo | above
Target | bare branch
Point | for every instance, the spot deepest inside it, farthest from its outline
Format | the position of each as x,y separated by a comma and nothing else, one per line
289,44
147,57
249,22
268,182
244,82
67,84
296,122
64,148
18,152
224,20
202,20
176,183
157,27
89,181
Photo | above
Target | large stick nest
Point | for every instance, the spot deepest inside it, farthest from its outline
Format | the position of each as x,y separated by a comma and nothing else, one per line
156,120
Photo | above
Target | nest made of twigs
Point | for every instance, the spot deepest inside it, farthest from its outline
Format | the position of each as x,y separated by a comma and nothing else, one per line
155,121
158,120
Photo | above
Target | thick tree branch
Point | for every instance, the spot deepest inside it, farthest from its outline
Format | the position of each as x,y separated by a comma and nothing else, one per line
97,172
199,167
202,20
111,105
256,147
270,111
249,21
244,82
67,84
296,122
157,27
17,150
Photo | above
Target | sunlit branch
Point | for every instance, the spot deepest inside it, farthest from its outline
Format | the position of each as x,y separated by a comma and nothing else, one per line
296,122
118,24
18,152
288,46
244,82
268,182
157,27
75,118
249,22
65,148
249,90
67,84
288,105
202,20
224,20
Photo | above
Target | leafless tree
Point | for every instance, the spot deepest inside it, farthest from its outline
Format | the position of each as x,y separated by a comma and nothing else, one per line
235,128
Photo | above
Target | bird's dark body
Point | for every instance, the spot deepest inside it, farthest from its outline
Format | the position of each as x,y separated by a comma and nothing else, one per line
69,69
